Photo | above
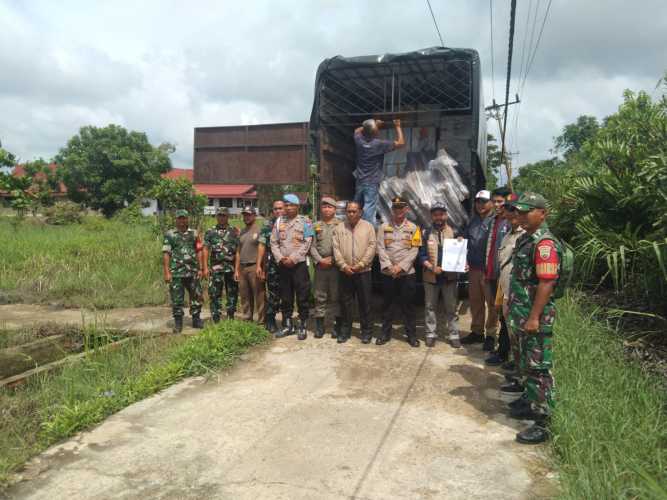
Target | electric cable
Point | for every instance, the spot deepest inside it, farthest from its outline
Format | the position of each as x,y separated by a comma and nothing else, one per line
442,44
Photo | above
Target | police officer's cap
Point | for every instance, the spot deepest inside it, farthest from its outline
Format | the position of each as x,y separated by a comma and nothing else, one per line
438,206
291,198
398,202
182,213
327,200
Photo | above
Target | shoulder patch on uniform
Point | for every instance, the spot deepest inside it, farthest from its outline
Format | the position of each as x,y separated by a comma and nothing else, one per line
545,251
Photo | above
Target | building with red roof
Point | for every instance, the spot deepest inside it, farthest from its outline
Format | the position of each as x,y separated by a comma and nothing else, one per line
232,196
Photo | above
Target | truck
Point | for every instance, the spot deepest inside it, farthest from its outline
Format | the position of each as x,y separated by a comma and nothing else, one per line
437,94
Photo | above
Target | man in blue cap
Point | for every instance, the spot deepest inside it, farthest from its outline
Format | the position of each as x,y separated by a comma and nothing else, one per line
291,238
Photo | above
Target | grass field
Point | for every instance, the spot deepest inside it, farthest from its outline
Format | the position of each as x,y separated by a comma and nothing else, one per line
98,264
610,424
53,406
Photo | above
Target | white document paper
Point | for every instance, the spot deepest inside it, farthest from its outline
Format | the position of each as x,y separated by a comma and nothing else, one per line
454,253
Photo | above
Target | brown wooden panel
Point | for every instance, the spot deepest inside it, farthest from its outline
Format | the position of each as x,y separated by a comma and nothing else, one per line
253,154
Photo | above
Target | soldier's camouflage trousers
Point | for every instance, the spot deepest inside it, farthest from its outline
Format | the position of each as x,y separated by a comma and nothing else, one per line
536,365
177,289
272,290
217,282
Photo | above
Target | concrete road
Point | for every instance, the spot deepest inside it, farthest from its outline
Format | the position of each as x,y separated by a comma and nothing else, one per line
302,420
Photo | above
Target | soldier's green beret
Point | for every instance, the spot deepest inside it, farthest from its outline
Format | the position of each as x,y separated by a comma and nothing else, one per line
182,213
527,201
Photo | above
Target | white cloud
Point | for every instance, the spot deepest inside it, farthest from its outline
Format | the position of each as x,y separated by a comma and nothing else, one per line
165,67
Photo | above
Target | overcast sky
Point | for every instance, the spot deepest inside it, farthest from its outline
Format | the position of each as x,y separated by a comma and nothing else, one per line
165,67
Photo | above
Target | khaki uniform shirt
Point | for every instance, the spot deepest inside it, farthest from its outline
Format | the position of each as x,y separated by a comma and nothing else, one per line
249,240
322,246
398,245
354,245
505,260
291,238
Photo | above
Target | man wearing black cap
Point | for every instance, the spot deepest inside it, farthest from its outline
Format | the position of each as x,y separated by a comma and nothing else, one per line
437,281
398,243
326,272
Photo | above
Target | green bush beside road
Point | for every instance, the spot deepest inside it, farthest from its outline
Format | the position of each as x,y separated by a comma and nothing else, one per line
54,406
610,424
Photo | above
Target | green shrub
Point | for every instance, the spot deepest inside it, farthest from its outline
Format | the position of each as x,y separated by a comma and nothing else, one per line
63,213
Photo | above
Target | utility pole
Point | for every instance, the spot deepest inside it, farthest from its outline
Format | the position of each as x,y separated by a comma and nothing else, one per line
494,112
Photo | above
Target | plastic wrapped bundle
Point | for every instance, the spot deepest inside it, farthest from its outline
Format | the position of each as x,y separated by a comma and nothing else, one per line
423,183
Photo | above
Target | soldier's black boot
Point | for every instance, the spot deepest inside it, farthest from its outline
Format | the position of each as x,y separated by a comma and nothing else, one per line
302,331
215,318
197,322
337,326
178,324
271,324
288,328
535,434
230,314
319,328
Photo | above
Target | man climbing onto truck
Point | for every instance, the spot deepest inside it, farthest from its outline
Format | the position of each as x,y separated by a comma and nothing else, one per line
370,159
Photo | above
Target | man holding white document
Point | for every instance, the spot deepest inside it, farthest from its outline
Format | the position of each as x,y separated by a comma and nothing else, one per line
442,256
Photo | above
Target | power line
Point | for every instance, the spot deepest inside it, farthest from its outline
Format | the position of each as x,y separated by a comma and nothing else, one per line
493,71
507,84
442,44
537,44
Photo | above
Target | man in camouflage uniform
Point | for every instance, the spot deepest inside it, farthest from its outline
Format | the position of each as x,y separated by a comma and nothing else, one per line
398,243
536,267
290,242
220,244
267,268
326,272
183,265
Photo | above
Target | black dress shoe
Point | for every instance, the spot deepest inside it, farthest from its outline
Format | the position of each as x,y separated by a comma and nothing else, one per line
341,339
366,339
489,344
512,388
381,340
525,413
430,341
520,402
215,318
473,338
413,342
319,328
535,434
494,360
301,330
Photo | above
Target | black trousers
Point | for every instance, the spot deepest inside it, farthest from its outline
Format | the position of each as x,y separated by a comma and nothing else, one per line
294,281
358,285
399,291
